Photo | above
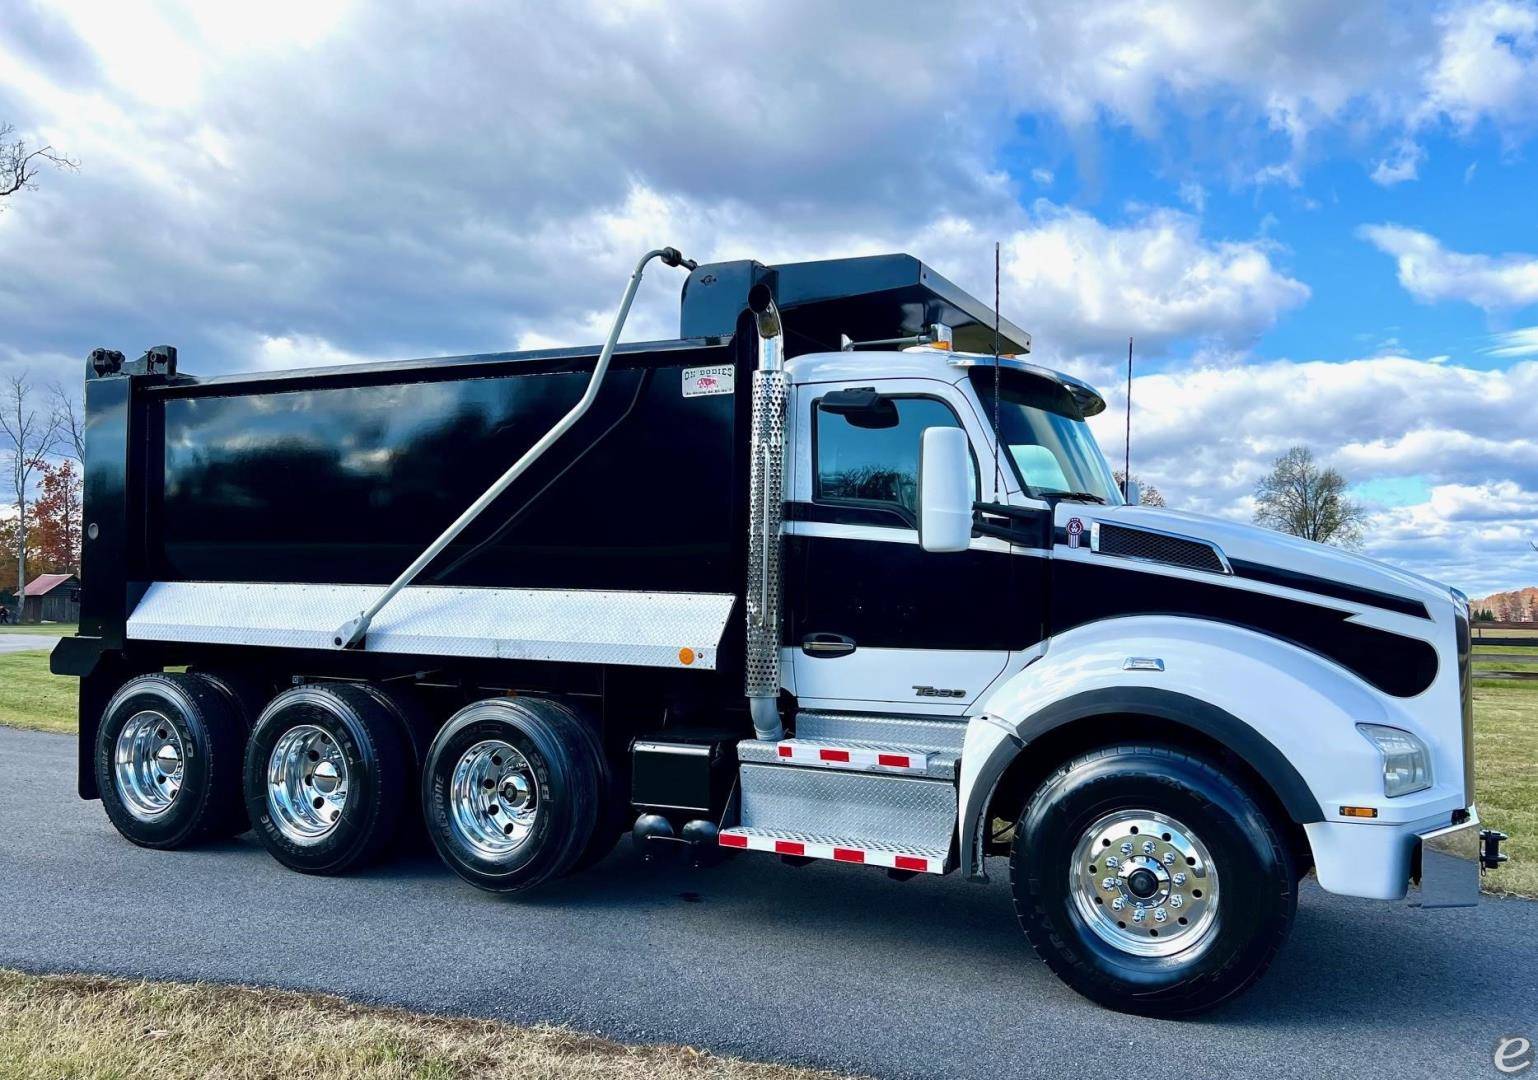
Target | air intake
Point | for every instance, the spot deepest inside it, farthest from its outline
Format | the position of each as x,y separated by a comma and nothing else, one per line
1120,541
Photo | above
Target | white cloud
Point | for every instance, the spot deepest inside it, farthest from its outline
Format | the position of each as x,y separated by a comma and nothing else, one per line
345,181
1206,433
1513,344
1487,66
1430,272
1089,286
1403,165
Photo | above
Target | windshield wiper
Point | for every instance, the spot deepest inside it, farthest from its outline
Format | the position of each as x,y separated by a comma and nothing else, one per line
1076,496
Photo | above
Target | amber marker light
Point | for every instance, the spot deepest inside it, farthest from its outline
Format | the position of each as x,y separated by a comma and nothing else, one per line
686,656
1359,811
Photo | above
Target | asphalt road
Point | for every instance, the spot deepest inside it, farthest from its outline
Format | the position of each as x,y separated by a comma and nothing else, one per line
10,643
823,965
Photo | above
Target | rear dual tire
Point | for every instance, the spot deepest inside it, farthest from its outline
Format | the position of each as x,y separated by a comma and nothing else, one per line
514,793
326,777
167,761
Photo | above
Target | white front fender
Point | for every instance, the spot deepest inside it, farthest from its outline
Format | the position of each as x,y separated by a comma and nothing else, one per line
1289,713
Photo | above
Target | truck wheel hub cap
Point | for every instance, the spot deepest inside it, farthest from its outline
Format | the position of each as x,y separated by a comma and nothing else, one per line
1144,883
306,784
494,799
148,764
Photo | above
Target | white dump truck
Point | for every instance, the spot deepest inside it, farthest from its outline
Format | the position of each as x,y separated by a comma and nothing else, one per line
838,574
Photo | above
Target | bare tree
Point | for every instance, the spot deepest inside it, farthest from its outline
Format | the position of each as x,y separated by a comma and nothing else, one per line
1148,495
18,165
69,418
27,437
1300,498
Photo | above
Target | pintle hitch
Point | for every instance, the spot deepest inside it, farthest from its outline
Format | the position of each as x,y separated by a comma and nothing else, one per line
1490,854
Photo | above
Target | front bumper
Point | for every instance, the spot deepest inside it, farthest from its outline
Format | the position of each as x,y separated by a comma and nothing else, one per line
1379,861
1447,863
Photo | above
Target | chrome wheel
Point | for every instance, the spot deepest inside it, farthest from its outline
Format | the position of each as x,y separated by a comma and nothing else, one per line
494,799
306,783
1144,883
149,763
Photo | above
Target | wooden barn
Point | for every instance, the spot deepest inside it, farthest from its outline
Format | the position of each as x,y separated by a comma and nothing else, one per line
51,598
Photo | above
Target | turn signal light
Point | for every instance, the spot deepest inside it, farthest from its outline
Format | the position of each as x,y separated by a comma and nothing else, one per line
1359,811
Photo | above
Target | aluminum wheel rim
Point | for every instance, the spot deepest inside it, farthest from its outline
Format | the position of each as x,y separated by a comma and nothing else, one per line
307,784
494,799
1144,883
149,763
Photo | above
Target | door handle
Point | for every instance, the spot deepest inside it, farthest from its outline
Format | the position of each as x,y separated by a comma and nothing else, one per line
827,645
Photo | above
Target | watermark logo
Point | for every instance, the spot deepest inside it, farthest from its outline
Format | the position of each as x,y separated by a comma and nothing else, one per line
1513,1054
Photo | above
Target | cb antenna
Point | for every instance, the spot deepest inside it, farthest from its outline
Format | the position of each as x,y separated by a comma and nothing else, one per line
1126,476
998,435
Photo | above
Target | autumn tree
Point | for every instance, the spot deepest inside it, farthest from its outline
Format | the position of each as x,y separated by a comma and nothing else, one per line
1300,498
56,529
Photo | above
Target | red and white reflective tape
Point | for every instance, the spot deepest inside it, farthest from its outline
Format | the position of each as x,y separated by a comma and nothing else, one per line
848,757
730,838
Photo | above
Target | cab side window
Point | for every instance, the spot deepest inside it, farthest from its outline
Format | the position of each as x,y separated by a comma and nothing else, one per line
876,467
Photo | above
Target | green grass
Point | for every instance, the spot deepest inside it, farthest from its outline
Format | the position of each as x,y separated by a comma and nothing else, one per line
90,1028
1506,778
51,629
32,698
1505,748
1507,650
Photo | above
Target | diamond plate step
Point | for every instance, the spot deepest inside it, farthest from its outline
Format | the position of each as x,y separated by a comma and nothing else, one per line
837,848
852,757
872,811
916,732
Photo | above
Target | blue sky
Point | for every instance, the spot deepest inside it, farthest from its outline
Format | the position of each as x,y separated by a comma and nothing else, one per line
1317,219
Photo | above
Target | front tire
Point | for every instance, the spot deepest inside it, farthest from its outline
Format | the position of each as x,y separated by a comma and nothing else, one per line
1150,881
510,792
168,761
326,777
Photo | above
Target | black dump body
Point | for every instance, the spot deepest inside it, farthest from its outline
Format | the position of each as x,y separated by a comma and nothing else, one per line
344,474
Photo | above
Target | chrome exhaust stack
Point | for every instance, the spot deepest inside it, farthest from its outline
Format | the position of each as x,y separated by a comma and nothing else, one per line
766,503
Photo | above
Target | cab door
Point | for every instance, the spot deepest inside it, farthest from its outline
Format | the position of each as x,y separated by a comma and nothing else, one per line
874,620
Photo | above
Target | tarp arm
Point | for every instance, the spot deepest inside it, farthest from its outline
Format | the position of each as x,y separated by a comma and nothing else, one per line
351,633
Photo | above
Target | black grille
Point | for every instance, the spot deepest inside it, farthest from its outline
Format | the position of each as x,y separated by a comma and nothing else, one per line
1466,691
1158,547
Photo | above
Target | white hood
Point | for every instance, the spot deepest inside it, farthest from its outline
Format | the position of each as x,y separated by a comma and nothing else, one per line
1251,543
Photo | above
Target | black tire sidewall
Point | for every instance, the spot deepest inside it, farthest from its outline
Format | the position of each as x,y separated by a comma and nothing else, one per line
206,739
1255,879
368,809
558,772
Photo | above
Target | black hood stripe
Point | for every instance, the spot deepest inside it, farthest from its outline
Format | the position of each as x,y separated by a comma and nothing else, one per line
1356,594
1088,592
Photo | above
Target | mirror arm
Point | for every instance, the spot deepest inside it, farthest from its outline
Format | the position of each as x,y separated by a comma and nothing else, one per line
1023,525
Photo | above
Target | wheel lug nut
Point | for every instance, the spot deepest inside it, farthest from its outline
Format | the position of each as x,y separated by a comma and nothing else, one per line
1113,862
1179,879
1139,914
1148,847
1118,904
1177,901
1108,884
1169,858
1126,848
1159,915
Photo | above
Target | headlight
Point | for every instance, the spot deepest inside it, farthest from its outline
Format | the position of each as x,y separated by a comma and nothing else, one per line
1406,761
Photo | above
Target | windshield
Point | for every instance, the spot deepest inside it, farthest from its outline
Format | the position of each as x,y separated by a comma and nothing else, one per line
1044,436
